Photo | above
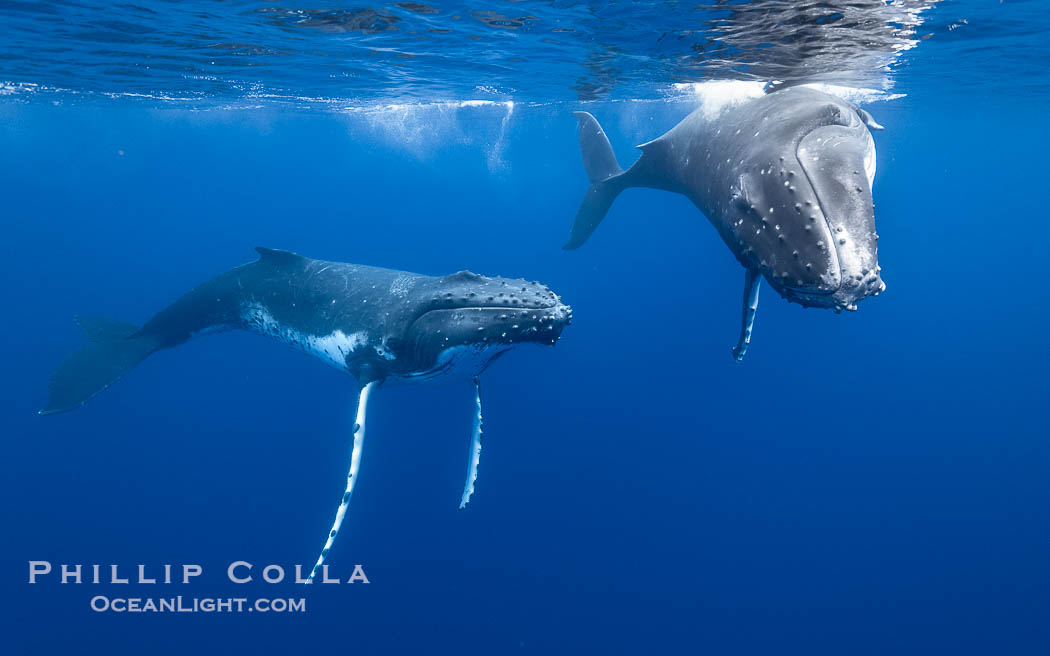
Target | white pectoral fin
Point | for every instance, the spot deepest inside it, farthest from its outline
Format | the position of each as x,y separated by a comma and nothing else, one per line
474,456
351,477
752,281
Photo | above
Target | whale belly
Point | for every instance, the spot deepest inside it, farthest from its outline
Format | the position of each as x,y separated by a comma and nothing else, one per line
333,348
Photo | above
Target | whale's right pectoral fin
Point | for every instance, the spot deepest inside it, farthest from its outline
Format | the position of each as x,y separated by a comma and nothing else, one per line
752,281
605,174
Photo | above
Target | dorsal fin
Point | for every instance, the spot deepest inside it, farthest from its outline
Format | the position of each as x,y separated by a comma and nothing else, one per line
278,257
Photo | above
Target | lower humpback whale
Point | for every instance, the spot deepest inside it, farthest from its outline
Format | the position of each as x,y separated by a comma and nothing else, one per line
376,324
786,180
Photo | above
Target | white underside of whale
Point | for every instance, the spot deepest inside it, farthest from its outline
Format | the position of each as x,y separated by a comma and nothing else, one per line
463,361
332,348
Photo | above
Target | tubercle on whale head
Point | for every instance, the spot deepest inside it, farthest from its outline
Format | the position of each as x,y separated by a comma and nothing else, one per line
465,289
854,275
845,297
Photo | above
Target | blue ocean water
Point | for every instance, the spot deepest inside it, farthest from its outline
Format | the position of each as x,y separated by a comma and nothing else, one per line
864,483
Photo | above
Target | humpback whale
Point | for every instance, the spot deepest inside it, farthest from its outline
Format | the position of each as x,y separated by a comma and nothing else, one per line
786,181
378,325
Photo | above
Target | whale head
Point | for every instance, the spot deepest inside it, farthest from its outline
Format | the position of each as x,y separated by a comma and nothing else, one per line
458,324
809,198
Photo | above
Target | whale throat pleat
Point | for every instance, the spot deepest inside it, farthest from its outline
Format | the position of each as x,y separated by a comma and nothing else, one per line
351,477
474,456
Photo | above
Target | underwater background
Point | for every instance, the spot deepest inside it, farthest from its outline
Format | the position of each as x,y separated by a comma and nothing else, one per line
864,483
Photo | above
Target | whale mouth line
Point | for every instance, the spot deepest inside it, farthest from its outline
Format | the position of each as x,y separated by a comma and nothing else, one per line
811,292
513,324
510,308
554,312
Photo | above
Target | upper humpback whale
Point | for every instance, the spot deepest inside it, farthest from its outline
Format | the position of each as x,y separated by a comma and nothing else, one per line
786,180
376,324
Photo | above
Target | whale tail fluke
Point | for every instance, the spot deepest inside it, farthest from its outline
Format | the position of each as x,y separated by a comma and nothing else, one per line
598,157
115,348
606,176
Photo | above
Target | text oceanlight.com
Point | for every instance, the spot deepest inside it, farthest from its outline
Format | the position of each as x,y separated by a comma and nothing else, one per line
179,604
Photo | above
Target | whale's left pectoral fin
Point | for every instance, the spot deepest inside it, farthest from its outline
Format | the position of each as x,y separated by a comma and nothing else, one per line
351,477
869,120
752,281
474,455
